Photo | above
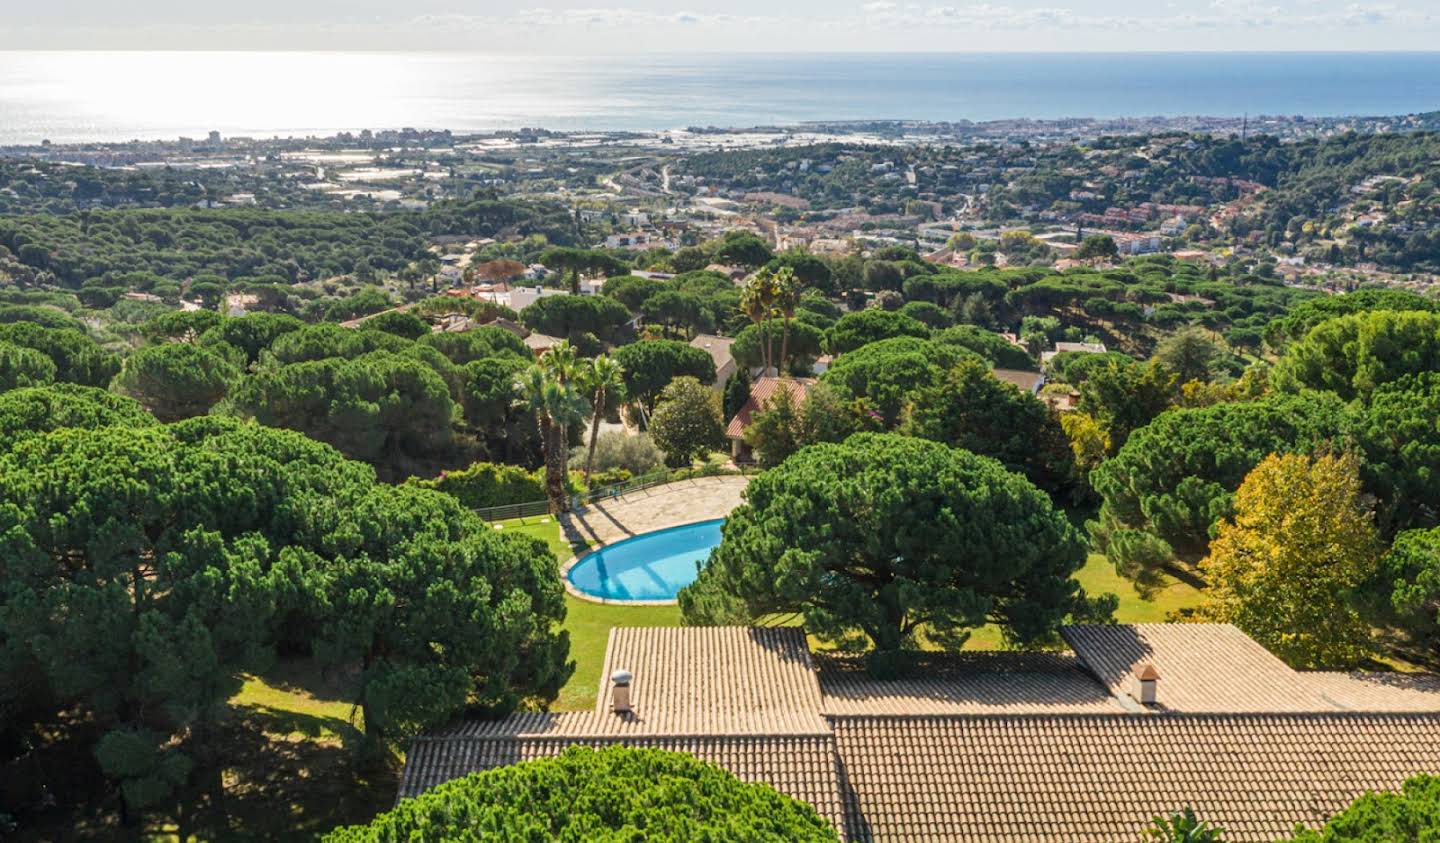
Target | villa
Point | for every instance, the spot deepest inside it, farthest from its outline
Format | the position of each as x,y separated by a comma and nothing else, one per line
762,393
1073,348
1134,722
1024,380
719,350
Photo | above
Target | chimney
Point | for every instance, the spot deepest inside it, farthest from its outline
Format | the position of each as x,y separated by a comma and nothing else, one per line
620,696
1146,678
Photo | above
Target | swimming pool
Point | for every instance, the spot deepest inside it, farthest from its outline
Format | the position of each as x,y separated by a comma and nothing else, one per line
650,566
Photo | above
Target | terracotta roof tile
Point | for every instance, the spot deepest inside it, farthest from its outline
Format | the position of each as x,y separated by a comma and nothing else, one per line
712,681
1203,667
1027,381
1373,691
717,347
799,766
1101,778
969,683
761,391
1000,746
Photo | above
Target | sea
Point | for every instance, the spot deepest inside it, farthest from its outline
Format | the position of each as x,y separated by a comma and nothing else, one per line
69,97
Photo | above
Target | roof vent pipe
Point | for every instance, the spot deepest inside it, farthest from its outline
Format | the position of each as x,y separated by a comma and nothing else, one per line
1146,678
620,694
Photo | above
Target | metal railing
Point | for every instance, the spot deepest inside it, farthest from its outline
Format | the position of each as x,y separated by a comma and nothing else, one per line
505,512
649,479
658,477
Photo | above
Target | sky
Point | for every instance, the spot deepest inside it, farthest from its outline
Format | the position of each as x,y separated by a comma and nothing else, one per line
628,26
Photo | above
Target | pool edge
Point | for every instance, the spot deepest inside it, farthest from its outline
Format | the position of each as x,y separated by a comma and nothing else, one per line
571,589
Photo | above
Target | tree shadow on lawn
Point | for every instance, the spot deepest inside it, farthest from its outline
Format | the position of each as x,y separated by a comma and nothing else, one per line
307,676
264,774
285,778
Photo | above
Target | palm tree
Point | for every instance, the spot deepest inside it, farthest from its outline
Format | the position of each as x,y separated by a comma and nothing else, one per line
603,379
787,299
757,301
548,388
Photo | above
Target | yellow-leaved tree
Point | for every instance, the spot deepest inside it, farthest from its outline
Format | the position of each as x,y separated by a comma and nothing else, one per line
1284,568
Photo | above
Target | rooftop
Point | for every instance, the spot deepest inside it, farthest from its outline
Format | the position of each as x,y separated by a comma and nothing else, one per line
1203,667
1027,381
717,347
968,683
995,746
761,391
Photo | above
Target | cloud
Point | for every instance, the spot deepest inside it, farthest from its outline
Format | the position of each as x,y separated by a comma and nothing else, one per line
1219,14
706,25
617,17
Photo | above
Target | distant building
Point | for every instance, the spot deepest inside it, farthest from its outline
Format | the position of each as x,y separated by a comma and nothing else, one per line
1077,347
719,350
522,297
1027,381
1138,244
541,343
761,393
630,240
734,273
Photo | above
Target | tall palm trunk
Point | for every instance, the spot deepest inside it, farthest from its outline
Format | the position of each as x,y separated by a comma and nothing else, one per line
784,344
554,442
767,353
594,432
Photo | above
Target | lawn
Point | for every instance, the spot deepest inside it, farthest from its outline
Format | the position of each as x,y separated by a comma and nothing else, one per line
280,766
1099,577
295,687
588,623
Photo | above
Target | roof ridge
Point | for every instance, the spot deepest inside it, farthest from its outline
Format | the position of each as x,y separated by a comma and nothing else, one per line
826,734
1332,714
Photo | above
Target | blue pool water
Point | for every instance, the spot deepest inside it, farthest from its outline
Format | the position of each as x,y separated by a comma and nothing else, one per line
650,566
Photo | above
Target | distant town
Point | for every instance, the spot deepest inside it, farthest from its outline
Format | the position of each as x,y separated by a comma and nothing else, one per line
1002,193
873,481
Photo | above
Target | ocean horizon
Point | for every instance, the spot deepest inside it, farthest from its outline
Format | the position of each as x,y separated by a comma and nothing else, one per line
80,96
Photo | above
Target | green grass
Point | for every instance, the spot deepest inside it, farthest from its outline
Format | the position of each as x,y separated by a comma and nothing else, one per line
1099,577
298,688
588,623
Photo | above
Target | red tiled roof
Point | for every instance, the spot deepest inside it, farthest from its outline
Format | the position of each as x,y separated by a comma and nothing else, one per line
800,766
965,683
1374,691
761,391
992,747
717,347
1204,667
1101,778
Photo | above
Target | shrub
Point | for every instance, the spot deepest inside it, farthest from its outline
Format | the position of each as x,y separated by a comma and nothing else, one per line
612,794
400,323
1182,827
489,484
1412,814
616,451
686,425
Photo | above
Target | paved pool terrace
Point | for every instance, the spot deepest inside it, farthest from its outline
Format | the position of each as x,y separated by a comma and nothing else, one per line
682,502
646,511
